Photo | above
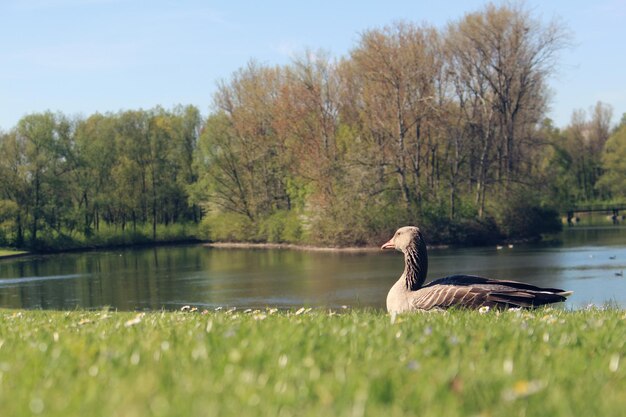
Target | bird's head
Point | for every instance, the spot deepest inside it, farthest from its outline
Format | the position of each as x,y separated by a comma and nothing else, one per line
403,238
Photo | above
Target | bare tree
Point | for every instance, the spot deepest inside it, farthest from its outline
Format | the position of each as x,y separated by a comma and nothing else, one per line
395,68
502,57
309,119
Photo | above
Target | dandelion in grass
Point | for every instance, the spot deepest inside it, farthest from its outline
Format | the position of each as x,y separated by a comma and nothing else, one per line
522,389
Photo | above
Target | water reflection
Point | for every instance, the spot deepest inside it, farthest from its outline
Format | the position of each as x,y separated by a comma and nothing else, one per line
587,262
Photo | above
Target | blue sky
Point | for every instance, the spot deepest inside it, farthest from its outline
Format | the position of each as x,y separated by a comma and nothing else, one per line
85,56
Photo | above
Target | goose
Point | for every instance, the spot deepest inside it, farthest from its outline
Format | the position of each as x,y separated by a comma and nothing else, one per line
466,291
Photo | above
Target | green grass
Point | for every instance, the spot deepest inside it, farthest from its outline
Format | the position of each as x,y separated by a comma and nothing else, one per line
109,236
267,363
10,252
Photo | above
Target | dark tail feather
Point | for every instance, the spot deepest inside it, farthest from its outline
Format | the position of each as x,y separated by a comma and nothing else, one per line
528,299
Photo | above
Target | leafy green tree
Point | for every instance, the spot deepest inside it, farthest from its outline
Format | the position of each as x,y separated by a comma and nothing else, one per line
130,172
556,177
94,157
613,180
9,212
584,141
45,142
14,186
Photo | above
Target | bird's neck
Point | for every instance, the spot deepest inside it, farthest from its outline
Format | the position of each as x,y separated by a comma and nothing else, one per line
415,264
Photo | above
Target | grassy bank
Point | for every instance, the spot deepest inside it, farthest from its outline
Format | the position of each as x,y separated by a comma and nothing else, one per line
7,253
113,237
548,362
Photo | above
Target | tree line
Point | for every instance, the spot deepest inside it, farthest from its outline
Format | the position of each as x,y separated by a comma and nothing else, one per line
61,177
443,127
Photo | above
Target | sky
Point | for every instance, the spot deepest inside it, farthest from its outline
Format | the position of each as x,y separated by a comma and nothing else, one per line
80,57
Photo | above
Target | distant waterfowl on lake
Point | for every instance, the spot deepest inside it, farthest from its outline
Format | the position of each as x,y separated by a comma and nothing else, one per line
410,294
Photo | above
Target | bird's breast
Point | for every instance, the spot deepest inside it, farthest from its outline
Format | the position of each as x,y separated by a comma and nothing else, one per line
397,298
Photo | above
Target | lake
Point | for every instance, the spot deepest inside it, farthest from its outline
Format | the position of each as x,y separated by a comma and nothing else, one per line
588,261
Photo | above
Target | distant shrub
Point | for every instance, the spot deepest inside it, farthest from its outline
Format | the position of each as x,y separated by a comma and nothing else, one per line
475,231
354,223
50,242
282,226
466,228
525,218
530,222
228,227
175,232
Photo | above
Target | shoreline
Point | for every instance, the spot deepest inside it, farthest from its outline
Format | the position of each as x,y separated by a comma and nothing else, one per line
16,254
190,241
305,248
289,246
212,245
228,245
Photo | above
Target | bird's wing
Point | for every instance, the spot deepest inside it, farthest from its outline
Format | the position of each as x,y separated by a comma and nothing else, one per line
491,284
492,294
445,296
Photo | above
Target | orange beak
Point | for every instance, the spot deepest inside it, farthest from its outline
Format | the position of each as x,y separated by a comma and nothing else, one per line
389,245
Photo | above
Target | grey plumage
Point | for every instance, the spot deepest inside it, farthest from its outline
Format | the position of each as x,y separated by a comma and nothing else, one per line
409,292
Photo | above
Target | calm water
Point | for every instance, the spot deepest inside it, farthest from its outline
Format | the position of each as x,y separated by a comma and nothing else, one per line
586,261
